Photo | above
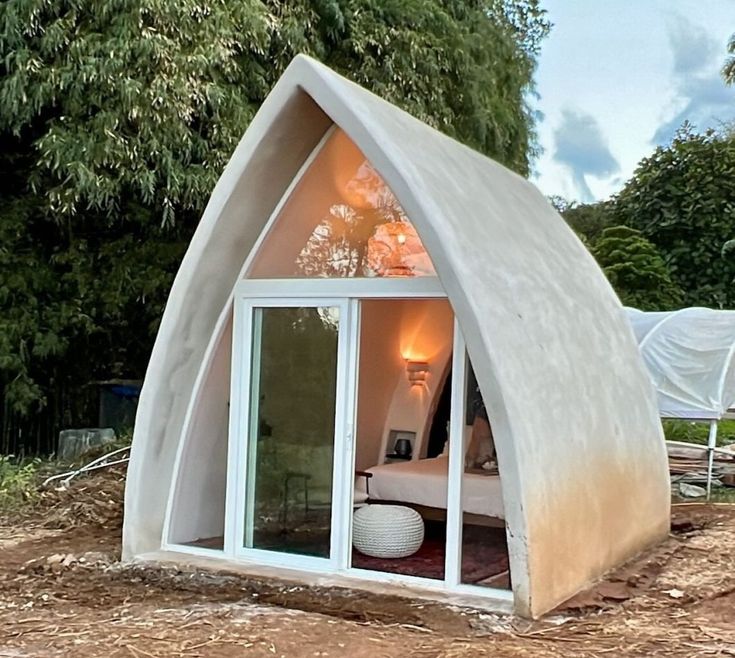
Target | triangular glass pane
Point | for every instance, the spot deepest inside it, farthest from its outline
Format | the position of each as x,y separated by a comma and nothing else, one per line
341,220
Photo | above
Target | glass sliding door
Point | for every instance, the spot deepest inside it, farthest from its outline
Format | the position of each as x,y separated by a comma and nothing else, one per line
293,401
477,553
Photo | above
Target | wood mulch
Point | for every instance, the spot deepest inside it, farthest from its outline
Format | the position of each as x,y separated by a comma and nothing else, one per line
63,592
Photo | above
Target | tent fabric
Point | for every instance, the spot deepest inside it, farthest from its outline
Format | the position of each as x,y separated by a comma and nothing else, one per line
689,356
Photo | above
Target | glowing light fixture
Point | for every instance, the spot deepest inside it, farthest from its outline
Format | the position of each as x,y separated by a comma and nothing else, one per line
416,372
395,249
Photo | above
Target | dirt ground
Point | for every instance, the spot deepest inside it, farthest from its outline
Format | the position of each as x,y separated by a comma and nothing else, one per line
63,592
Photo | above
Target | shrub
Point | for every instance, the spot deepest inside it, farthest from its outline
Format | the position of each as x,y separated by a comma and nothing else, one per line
18,482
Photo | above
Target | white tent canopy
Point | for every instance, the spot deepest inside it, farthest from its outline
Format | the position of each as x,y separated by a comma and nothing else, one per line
689,355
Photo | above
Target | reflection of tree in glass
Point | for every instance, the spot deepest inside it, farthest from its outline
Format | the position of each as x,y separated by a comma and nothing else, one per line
342,242
304,320
296,382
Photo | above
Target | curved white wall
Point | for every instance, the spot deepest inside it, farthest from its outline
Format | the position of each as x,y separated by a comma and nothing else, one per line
198,501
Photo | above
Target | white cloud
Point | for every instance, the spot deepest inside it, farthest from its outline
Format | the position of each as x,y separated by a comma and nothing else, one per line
701,95
638,68
580,145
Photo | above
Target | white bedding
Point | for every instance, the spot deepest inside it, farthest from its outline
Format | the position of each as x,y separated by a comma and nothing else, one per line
424,482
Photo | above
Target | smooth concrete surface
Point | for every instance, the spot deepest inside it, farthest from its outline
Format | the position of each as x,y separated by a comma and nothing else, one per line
579,444
198,505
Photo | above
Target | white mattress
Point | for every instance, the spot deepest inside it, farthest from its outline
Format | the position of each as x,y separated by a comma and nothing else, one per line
424,482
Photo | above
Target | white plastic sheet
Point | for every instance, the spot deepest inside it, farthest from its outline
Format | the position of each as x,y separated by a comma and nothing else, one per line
689,355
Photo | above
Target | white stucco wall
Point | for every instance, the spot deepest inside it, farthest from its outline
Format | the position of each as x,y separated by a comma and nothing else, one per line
581,454
198,502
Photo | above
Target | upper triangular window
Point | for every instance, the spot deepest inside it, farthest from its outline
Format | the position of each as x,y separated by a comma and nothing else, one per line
341,220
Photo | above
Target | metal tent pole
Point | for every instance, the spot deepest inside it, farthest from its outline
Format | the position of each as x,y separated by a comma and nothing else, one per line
711,445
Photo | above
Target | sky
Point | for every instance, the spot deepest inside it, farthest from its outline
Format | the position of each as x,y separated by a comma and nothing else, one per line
616,78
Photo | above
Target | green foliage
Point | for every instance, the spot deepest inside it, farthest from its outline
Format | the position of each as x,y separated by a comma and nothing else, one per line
728,71
118,116
590,219
145,99
18,483
682,199
632,264
635,269
689,431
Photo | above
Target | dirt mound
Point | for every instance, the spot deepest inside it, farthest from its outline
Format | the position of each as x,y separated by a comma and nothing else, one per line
94,499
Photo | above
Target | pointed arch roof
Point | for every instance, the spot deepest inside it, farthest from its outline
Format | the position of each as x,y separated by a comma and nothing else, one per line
580,449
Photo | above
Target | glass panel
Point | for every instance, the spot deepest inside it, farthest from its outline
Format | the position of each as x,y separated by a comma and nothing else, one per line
484,559
397,415
291,437
341,220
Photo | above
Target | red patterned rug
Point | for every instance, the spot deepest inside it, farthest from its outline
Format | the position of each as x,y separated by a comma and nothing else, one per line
484,554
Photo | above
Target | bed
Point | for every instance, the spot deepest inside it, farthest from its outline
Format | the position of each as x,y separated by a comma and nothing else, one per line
423,483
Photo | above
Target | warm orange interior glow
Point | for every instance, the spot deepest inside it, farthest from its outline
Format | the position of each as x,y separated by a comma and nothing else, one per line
395,249
341,220
417,371
422,335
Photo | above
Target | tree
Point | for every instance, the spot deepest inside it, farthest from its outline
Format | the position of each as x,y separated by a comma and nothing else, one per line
630,262
682,199
117,117
636,270
728,71
147,98
589,219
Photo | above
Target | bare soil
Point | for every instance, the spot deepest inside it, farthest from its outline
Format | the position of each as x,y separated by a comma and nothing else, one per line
63,592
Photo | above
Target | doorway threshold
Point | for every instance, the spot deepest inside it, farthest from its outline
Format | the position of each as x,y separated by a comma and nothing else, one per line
484,602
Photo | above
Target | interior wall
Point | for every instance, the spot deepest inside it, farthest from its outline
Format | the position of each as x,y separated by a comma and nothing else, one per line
381,366
425,335
199,499
393,331
309,203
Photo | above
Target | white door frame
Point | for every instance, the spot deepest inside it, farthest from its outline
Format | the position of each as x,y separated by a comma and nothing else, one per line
455,480
245,354
345,294
453,548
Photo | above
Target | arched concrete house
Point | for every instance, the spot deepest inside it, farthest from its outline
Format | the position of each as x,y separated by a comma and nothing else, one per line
290,353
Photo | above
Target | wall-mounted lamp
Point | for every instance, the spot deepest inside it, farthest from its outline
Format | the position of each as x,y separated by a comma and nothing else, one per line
416,372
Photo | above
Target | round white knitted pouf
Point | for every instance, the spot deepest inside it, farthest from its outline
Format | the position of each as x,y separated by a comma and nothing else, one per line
387,530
